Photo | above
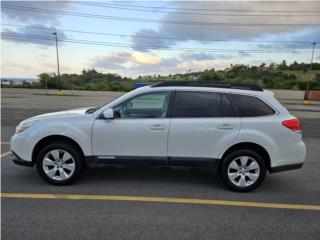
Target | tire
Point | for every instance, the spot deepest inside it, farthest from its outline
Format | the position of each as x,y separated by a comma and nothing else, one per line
243,170
60,163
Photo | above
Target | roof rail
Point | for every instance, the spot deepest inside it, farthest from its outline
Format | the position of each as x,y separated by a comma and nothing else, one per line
244,86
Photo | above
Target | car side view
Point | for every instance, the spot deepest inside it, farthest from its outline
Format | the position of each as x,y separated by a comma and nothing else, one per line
238,130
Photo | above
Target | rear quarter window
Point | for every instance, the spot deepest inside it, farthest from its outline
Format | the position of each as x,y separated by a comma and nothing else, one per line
250,106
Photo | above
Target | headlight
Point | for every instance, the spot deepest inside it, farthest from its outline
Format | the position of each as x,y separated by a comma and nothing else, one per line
24,126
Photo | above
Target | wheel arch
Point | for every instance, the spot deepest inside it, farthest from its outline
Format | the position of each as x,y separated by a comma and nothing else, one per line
252,146
54,138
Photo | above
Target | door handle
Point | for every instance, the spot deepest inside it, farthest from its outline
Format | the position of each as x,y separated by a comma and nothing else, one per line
157,127
226,126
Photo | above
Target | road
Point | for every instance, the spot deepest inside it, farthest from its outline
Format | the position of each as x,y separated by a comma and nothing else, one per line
122,208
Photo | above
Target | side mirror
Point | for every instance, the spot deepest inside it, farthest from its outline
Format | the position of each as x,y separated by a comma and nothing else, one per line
108,114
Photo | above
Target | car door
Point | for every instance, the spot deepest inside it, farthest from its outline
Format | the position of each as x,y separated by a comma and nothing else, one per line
139,131
202,124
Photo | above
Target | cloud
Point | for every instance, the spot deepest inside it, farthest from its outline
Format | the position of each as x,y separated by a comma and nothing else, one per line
125,60
10,10
201,56
114,61
300,39
165,66
191,55
148,59
13,64
137,63
153,39
243,54
35,34
184,32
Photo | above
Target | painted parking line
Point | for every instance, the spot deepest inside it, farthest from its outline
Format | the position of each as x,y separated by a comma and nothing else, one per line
5,154
161,200
6,143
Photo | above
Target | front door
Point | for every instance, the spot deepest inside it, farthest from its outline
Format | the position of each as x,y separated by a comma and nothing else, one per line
139,131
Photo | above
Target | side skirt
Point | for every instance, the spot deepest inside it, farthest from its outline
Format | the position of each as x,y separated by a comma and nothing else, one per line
99,161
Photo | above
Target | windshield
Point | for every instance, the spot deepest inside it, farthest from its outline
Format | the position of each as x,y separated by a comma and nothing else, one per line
94,109
124,96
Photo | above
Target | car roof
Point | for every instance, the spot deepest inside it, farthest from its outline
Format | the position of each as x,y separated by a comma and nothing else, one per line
210,84
206,89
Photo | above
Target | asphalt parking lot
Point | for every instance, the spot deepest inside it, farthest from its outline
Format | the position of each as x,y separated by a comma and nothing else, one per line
152,203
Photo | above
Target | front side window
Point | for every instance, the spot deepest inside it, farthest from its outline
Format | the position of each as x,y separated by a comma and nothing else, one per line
201,104
149,105
249,106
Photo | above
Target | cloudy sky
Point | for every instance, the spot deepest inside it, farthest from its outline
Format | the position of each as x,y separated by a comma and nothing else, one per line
135,38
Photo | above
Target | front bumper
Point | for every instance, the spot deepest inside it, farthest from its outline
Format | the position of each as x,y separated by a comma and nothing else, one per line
17,160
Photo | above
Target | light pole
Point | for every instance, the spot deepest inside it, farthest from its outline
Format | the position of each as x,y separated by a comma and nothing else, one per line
188,72
308,84
46,86
59,79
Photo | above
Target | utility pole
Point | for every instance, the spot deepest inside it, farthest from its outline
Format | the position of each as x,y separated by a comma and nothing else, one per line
59,79
46,86
314,45
188,72
308,85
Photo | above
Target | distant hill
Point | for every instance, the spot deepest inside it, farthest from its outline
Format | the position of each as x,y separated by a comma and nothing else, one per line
273,76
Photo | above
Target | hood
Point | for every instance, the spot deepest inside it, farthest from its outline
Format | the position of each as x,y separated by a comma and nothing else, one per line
67,113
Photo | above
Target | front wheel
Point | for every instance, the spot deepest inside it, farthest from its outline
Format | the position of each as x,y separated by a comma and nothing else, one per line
59,163
243,170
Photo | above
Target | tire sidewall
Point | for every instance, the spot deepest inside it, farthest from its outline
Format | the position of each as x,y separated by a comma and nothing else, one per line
237,153
66,147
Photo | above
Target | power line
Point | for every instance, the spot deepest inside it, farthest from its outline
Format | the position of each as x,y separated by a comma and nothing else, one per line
206,9
88,15
134,8
112,44
156,37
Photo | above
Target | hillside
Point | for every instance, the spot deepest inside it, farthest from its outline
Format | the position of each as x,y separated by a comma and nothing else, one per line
275,76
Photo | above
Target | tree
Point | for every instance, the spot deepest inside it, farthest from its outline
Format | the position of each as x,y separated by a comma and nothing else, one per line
317,78
48,80
283,65
273,66
262,66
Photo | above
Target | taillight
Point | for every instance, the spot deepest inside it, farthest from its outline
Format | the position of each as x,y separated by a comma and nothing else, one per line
293,124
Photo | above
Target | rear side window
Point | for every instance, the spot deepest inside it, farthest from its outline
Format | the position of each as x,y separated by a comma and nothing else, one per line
201,104
249,106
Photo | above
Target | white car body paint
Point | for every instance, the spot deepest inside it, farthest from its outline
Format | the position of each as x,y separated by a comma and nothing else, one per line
167,137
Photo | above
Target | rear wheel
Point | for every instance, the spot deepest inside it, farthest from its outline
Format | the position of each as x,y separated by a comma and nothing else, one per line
243,170
59,163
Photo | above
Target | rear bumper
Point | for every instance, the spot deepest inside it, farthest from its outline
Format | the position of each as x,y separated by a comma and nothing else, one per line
290,156
285,167
17,160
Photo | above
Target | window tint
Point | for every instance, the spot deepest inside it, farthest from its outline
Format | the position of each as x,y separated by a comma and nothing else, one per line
150,105
249,106
201,104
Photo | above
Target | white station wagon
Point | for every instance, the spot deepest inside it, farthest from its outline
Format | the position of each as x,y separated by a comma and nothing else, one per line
238,130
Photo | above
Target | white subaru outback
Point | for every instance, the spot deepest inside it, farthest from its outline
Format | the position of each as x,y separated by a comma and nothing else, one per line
238,130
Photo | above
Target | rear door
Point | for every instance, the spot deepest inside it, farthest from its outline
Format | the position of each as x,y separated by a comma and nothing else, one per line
202,124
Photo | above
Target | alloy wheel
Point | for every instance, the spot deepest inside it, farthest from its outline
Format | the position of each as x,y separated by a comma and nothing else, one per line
243,171
58,164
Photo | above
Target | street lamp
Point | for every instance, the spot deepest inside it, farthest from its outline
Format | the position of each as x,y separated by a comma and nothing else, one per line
308,84
59,79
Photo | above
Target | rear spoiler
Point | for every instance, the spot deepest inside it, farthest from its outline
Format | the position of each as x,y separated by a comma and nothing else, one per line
269,92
